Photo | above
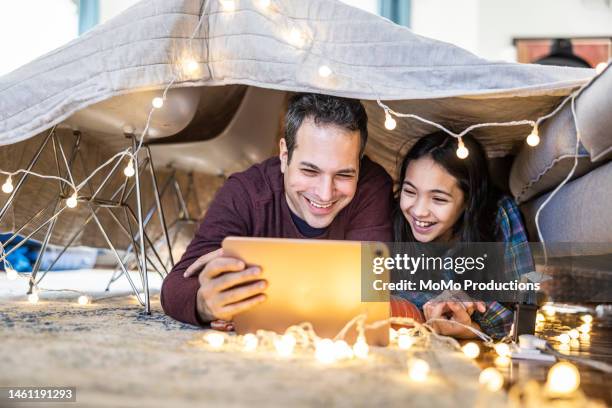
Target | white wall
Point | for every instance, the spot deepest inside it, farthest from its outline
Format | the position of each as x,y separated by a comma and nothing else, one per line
487,27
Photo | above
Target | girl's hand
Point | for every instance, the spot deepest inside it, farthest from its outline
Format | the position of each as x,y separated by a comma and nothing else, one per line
442,316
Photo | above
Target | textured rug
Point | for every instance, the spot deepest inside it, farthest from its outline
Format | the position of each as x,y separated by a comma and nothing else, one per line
116,356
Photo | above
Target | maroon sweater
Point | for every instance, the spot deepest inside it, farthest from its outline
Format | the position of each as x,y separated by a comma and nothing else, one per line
253,204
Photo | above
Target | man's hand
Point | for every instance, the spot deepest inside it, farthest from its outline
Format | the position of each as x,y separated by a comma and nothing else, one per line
452,310
227,286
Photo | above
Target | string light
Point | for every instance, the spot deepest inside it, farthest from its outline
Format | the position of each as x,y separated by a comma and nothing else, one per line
361,348
129,170
534,137
574,343
228,5
83,300
584,328
215,339
405,341
72,201
540,318
250,342
324,71
285,345
563,378
502,361
190,66
7,187
390,123
599,68
418,369
296,38
564,338
502,350
11,274
585,337
491,379
574,334
342,350
33,298
587,318
462,151
157,102
324,351
471,350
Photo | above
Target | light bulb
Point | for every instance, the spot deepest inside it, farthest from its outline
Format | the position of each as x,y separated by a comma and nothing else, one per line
540,317
285,345
33,298
563,378
585,337
462,151
7,187
157,102
342,350
405,341
549,311
129,170
72,201
471,350
11,274
83,300
534,137
599,68
324,71
390,123
584,328
564,338
296,38
418,369
492,379
502,361
587,318
574,334
214,339
190,66
250,342
574,343
228,5
502,349
361,348
392,335
324,351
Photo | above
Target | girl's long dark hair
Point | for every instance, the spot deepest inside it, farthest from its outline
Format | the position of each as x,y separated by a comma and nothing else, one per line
477,223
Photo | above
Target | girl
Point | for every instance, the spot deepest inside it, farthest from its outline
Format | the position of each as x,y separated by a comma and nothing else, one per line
445,199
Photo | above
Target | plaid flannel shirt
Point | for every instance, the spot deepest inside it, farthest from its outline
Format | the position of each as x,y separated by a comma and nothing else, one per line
496,321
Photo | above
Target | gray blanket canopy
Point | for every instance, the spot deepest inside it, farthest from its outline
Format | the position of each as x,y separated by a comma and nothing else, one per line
230,82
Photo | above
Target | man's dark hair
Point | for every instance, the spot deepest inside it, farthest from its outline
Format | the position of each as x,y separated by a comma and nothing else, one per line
325,110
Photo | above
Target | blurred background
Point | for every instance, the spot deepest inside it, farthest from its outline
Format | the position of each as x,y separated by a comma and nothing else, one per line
508,30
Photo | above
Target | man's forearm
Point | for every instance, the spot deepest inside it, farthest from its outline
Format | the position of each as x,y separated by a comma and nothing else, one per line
178,297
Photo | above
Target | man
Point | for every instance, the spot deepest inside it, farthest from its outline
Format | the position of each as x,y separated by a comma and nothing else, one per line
321,186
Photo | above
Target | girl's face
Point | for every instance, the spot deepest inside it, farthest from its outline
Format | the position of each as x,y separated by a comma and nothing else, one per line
431,200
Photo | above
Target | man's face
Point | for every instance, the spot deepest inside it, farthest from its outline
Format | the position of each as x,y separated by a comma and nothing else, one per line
321,178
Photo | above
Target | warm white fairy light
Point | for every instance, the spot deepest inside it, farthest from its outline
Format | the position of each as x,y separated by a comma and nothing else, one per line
324,351
418,370
599,68
342,350
129,170
72,201
157,102
462,151
392,335
584,328
574,334
83,300
11,274
214,339
563,378
587,318
7,187
540,318
228,5
564,338
471,349
250,342
296,37
585,337
324,71
33,298
285,345
502,361
190,66
574,343
491,379
549,311
390,123
405,341
361,348
534,137
502,349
